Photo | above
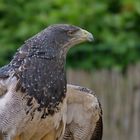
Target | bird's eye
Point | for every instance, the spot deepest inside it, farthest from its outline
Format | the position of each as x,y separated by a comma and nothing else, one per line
70,32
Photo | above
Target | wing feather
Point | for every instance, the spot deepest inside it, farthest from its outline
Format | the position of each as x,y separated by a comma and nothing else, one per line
97,134
84,115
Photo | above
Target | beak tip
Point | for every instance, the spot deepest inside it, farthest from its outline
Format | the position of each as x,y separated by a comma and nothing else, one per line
90,37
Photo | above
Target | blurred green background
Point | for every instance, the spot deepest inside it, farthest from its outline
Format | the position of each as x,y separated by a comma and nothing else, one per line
114,24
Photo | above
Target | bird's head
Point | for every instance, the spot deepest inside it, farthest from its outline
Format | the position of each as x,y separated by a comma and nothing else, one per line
68,35
58,38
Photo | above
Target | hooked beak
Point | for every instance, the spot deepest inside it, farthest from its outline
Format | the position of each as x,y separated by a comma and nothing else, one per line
80,36
85,35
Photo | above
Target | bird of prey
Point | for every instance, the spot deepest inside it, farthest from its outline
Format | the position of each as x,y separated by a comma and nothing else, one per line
33,85
83,117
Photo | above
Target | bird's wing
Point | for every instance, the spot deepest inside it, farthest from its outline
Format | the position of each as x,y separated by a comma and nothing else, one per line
98,132
84,115
11,69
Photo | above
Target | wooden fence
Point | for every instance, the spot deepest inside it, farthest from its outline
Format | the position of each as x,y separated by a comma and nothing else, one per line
120,98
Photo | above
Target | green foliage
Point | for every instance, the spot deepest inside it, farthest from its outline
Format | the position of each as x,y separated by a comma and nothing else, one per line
114,24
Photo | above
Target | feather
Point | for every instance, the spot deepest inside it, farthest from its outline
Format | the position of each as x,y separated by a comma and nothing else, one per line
33,85
83,119
84,114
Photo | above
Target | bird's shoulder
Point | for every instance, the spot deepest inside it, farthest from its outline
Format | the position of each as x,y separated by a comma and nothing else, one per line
85,98
5,71
82,95
10,70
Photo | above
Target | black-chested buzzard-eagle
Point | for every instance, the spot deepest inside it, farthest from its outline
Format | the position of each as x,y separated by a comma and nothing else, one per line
33,85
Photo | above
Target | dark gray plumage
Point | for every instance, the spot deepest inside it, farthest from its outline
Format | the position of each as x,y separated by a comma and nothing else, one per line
38,70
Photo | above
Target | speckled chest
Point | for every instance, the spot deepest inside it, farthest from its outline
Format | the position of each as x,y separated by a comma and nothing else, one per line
44,80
